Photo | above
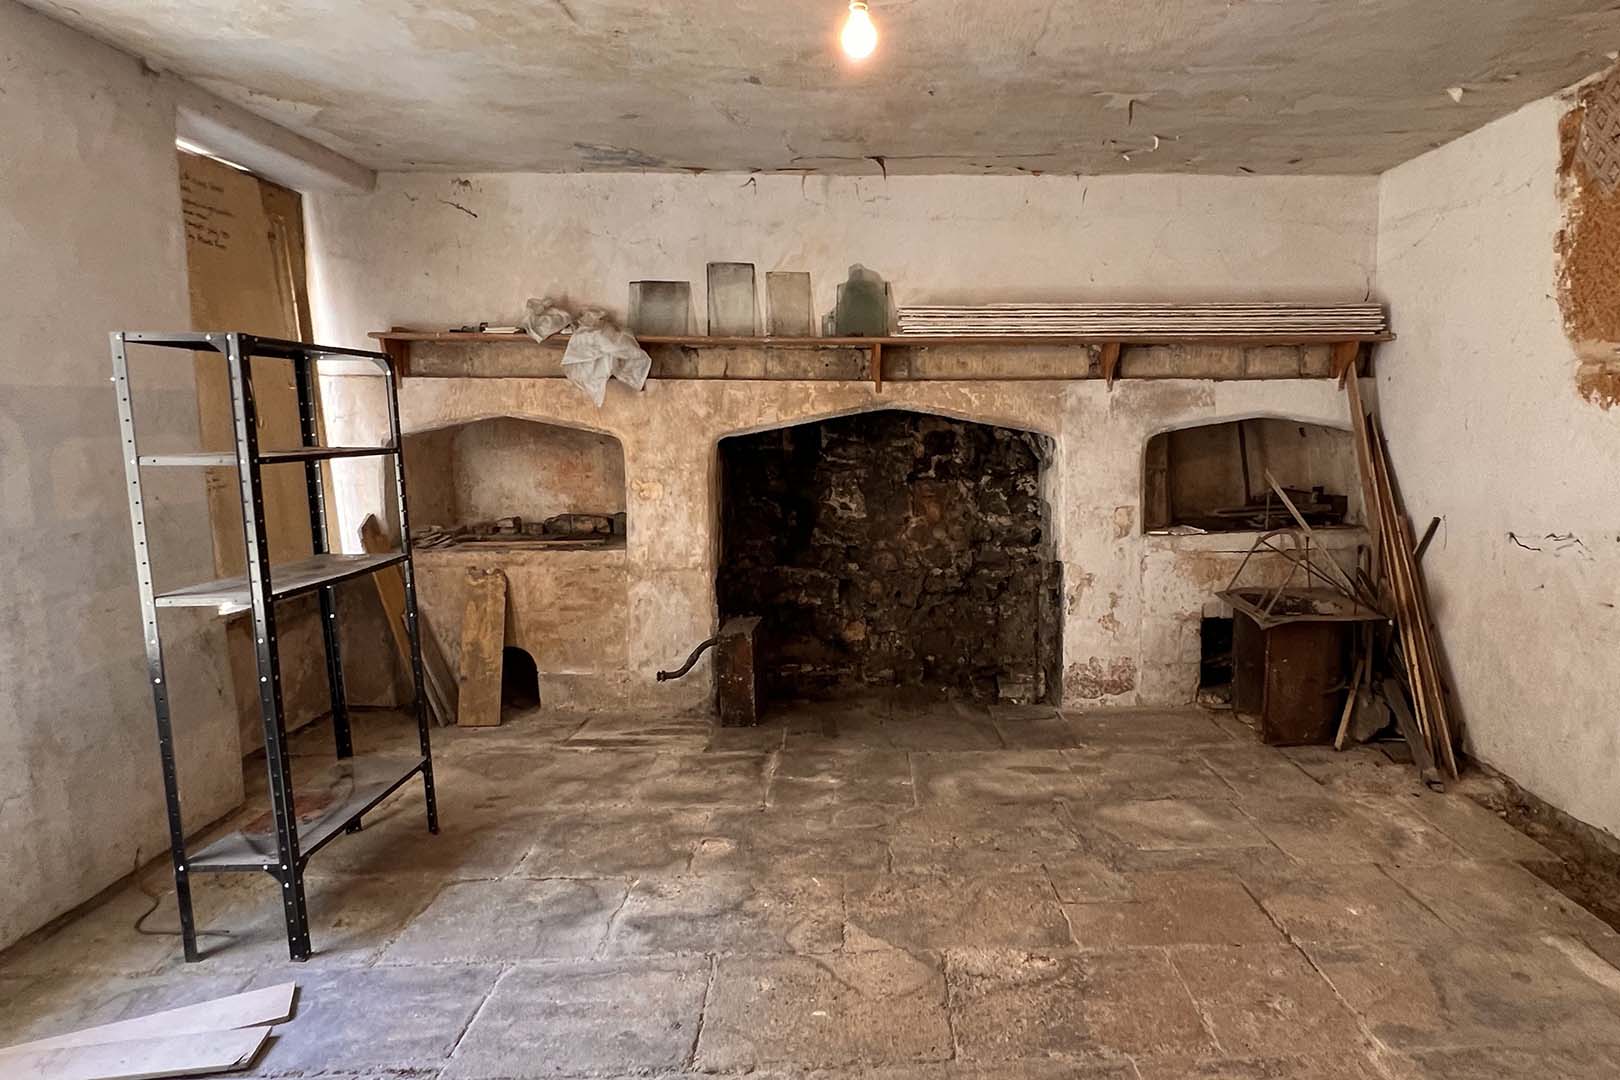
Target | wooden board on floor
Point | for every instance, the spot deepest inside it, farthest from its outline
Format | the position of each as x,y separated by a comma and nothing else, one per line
198,1054
271,1005
483,636
390,584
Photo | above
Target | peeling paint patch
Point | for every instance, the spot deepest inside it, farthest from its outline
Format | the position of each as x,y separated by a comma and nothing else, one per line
1599,382
1589,243
1079,584
1124,521
1098,678
1109,621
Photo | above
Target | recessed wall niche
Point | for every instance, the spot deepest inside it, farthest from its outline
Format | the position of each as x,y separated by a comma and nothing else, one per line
1212,477
487,470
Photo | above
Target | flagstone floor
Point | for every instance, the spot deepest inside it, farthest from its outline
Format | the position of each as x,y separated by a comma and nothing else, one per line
886,888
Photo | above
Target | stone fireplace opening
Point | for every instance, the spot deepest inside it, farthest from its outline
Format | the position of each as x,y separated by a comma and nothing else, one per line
894,548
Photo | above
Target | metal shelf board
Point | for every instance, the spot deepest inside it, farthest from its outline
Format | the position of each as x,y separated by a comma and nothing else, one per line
288,579
343,793
190,458
251,345
267,457
191,340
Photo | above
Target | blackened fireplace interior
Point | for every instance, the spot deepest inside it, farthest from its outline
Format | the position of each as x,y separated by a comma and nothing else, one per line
894,548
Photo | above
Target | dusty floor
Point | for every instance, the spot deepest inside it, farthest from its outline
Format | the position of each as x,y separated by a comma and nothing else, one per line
884,888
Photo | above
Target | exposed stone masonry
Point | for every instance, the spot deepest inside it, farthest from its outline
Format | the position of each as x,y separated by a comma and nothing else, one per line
893,548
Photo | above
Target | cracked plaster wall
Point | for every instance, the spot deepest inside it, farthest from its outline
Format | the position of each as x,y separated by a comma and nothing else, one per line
1488,430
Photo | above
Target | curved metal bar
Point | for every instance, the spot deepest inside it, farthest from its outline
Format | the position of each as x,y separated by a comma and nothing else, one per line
666,676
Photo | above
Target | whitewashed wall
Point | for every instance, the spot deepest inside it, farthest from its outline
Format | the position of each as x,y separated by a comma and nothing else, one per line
437,251
1487,431
90,241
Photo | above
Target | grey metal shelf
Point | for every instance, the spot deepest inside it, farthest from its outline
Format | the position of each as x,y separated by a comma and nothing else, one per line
356,784
192,458
233,594
351,788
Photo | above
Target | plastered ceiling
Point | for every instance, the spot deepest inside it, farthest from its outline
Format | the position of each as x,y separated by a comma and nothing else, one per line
956,86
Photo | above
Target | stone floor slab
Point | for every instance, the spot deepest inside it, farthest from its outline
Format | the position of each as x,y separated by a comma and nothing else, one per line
1510,992
1033,727
1267,1001
1588,1062
1167,824
614,1018
376,1018
1491,898
1255,771
1478,831
729,913
1336,1066
1010,776
725,780
1044,1069
812,780
482,845
1086,879
41,1007
1009,1004
1175,908
969,840
1139,775
511,919
782,842
1343,903
615,842
1123,729
1336,829
885,1007
1358,770
925,912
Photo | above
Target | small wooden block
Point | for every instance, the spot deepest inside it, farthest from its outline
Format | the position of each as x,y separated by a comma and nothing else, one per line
1110,362
1344,360
483,636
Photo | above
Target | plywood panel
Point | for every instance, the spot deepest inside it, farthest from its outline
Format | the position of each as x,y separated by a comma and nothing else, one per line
245,265
483,636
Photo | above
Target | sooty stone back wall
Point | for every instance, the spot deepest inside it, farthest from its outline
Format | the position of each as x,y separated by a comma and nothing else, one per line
893,548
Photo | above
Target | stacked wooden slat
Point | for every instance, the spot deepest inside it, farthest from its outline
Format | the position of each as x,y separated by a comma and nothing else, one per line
1175,320
1395,568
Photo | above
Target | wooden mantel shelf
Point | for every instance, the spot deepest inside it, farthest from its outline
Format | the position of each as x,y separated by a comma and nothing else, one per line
397,343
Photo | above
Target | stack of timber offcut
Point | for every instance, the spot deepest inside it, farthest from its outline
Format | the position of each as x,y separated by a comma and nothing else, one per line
1236,321
1418,693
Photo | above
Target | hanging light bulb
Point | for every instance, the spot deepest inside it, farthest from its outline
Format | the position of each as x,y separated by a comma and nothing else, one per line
860,36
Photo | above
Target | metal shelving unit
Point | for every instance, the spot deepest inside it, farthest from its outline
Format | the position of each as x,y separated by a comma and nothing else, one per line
283,850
